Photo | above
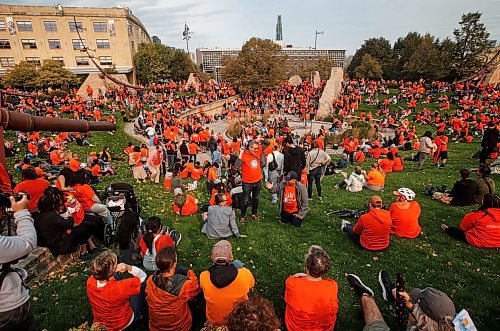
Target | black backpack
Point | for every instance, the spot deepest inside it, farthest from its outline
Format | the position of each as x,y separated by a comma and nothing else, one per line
273,165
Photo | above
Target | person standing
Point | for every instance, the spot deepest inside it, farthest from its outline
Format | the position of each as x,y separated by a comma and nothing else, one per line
294,157
275,169
315,161
251,163
489,142
154,162
350,146
426,147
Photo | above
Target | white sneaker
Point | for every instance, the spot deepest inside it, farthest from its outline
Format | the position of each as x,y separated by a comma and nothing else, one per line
343,224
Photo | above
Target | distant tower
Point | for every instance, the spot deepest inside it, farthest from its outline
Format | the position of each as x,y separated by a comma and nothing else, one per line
279,32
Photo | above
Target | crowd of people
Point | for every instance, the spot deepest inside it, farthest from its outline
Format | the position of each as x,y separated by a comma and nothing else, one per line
69,214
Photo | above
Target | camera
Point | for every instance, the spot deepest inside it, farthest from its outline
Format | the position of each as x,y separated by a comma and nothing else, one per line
5,201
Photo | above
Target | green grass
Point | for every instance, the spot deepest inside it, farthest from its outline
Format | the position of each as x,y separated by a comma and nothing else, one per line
274,251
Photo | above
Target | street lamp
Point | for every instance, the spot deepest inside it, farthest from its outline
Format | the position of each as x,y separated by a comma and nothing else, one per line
316,37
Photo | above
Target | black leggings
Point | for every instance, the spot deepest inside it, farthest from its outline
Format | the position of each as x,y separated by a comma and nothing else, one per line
456,233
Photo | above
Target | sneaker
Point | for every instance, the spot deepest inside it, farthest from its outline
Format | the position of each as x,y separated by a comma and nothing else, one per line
358,285
176,237
343,224
320,198
385,283
310,199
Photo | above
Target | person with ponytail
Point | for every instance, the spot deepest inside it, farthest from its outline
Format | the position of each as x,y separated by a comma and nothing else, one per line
168,293
153,241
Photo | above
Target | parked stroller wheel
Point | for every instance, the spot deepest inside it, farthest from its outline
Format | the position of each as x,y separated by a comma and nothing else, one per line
109,236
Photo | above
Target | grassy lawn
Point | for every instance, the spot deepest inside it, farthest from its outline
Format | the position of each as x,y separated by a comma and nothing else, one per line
274,251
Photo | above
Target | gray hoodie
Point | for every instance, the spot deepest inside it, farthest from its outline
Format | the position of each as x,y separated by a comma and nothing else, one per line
220,223
13,294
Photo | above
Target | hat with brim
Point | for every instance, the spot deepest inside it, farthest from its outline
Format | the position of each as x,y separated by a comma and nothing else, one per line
434,303
222,252
291,175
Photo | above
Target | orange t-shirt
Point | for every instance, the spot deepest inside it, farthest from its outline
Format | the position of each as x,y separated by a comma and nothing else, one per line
35,189
405,220
386,165
193,148
290,199
54,157
189,208
374,228
360,156
398,164
375,178
96,171
220,301
162,242
303,297
110,303
482,228
84,194
196,173
251,171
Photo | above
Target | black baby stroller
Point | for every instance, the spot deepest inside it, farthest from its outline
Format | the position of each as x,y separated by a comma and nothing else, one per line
120,197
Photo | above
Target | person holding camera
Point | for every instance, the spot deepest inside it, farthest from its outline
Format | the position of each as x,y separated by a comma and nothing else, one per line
16,312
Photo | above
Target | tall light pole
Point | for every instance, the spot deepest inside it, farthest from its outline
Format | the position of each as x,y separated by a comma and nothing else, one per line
186,36
316,37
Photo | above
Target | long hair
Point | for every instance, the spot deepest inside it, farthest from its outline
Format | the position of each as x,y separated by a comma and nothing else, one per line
128,229
153,224
425,323
489,201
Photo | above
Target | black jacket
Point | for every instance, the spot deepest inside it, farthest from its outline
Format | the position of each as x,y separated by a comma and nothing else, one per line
490,139
463,192
295,159
51,232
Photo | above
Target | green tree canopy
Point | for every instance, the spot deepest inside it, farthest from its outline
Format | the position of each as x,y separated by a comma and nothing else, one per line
259,65
23,75
471,45
369,68
53,74
181,65
381,50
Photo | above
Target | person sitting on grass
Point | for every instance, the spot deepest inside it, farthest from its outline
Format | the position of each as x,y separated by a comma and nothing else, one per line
480,228
168,293
116,304
293,202
387,163
224,284
398,163
154,240
375,179
184,204
404,214
312,301
256,313
220,220
462,193
355,181
371,231
220,188
430,309
484,183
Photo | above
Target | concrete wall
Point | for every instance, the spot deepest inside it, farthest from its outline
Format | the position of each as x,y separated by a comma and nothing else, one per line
209,109
96,82
331,91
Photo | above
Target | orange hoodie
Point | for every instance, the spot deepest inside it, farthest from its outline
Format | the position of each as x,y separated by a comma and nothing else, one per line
482,228
405,219
168,311
374,228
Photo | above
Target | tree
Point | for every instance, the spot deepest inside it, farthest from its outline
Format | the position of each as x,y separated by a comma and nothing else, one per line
380,49
471,45
23,75
369,68
152,62
259,65
53,74
404,48
181,66
323,65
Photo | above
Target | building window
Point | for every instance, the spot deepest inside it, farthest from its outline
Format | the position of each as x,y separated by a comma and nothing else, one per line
24,26
54,43
28,43
102,43
50,25
100,27
105,60
7,61
58,59
73,26
130,29
132,45
2,25
4,44
79,43
82,61
34,60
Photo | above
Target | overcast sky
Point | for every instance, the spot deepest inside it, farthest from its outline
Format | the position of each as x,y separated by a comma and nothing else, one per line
346,24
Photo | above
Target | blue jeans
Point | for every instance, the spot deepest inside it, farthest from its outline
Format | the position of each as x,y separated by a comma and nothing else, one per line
253,190
139,307
290,218
314,175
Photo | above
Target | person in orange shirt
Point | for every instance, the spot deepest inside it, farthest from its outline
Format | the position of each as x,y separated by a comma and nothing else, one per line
116,304
293,199
441,142
404,214
480,228
360,156
398,163
251,163
33,185
168,293
193,151
372,229
184,205
350,146
387,163
312,300
224,284
375,179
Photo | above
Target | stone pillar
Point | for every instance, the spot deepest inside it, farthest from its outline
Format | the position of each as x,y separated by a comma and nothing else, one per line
193,80
295,80
331,91
315,79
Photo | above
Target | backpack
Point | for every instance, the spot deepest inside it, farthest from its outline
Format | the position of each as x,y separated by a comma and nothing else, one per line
273,165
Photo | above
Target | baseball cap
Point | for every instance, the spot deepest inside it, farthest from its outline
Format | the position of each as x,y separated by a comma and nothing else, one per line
434,303
222,253
291,175
375,201
177,191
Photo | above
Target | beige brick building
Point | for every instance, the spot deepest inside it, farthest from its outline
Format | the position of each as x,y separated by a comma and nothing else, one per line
37,33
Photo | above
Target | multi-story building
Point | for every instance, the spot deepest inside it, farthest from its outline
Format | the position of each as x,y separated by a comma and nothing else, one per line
37,33
211,58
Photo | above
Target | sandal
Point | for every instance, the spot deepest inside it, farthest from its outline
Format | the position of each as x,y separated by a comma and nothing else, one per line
256,217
